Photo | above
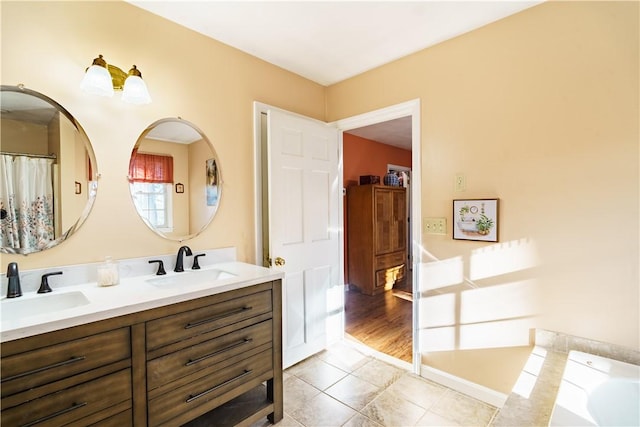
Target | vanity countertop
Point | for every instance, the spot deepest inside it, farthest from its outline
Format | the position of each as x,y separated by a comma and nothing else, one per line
133,294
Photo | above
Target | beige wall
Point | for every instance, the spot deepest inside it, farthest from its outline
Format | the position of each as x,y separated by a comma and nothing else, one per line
48,45
540,110
34,138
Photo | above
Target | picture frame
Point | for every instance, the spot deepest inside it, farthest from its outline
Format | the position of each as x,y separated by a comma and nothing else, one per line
78,188
179,188
475,219
212,182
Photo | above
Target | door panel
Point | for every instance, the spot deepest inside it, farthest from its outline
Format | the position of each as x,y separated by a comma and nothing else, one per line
293,206
320,203
295,331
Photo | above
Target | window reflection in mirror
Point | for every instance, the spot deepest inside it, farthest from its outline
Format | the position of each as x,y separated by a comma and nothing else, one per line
47,172
174,179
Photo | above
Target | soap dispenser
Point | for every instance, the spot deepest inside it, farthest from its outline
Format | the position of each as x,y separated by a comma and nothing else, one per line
108,272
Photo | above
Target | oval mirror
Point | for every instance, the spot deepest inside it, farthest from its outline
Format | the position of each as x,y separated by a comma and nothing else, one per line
48,173
174,179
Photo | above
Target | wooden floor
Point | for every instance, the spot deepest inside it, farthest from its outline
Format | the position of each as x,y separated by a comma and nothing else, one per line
382,322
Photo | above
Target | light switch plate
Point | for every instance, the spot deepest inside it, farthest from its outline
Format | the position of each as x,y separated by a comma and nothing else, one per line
435,225
460,183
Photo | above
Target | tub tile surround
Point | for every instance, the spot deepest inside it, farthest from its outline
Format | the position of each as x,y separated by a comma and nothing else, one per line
533,397
563,343
77,274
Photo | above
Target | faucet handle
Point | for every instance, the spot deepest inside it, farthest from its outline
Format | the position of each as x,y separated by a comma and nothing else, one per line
44,282
160,271
195,265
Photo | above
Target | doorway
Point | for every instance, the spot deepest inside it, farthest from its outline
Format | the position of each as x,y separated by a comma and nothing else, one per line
410,111
378,293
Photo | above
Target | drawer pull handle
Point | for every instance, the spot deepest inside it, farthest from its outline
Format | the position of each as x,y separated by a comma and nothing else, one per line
44,368
63,411
222,350
213,319
193,397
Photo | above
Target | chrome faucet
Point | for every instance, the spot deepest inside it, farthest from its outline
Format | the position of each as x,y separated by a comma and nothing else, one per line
184,250
13,277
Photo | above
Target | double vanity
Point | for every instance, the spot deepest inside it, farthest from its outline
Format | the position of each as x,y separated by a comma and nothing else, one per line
201,346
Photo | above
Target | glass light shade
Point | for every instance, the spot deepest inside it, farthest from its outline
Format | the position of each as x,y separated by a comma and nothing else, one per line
97,81
135,91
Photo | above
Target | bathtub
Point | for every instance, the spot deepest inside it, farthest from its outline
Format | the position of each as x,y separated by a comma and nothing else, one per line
596,391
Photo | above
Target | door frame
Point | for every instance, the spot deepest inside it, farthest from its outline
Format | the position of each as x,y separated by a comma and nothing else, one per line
408,108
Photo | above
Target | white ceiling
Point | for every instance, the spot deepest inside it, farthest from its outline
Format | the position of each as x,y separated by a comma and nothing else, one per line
393,132
330,41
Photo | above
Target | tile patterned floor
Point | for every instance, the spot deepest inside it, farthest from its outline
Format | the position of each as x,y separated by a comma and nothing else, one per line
348,386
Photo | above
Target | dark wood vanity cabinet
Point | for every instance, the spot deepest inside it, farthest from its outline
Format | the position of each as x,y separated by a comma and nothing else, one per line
213,350
376,237
161,367
54,380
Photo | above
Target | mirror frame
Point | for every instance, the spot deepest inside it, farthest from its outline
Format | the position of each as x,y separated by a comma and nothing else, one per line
204,137
91,191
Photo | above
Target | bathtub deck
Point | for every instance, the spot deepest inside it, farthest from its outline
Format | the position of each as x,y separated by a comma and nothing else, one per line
531,402
533,397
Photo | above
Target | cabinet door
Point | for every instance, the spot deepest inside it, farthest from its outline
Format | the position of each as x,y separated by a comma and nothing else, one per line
398,221
383,222
390,220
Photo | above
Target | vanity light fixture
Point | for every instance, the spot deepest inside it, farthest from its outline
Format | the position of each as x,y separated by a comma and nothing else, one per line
103,79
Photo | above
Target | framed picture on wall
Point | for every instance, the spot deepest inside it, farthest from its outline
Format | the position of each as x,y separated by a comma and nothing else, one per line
179,188
212,182
475,219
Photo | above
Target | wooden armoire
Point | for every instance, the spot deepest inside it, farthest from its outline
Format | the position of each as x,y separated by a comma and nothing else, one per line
376,237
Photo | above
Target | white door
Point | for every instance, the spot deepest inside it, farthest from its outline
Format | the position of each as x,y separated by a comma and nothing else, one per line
303,202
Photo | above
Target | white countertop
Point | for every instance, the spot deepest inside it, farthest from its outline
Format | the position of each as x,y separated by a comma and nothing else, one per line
133,294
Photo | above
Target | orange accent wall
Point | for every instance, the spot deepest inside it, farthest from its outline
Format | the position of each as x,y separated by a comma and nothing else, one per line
366,157
363,156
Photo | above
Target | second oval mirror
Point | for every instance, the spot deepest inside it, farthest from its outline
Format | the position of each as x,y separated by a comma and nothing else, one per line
174,179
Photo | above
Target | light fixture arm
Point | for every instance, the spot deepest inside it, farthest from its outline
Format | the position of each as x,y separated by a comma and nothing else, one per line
117,76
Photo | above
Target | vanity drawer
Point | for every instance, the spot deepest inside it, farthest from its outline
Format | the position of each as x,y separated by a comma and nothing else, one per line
45,365
195,358
390,260
209,391
73,404
188,324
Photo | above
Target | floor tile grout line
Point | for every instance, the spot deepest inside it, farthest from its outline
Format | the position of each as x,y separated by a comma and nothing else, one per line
381,389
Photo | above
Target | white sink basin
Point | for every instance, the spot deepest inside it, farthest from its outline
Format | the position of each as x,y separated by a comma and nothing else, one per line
15,308
190,278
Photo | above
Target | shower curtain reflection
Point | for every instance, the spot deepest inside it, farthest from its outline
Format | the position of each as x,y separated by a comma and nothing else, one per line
26,203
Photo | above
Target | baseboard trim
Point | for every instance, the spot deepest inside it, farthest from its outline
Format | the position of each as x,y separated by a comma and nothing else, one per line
466,387
364,349
477,391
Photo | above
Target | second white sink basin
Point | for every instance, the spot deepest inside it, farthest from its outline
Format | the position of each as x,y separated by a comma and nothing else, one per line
190,278
15,308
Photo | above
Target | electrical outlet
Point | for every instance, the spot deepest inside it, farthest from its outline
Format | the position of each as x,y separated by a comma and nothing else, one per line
435,225
460,183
